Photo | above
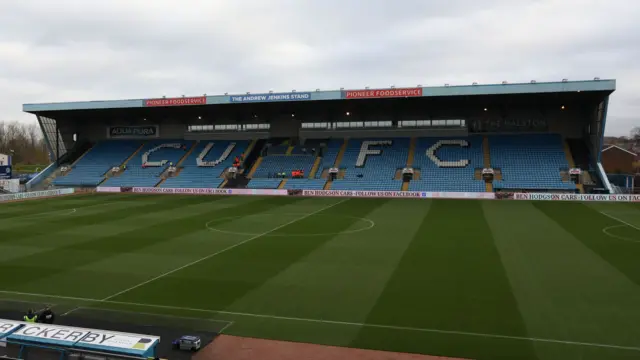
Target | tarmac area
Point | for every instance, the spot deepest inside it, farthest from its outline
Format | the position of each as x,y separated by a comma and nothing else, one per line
168,329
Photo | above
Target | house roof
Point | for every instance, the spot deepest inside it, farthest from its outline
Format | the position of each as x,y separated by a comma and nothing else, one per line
619,148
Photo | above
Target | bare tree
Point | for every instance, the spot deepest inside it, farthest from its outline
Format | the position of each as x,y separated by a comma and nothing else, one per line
24,142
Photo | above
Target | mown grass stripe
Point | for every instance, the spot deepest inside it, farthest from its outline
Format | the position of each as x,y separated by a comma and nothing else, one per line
226,278
55,261
451,277
51,224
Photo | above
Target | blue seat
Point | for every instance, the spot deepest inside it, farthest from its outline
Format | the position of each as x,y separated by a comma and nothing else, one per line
264,183
137,176
194,176
457,178
375,171
530,161
90,169
305,184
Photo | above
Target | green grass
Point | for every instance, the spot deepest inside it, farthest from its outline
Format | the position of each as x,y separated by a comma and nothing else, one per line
472,279
24,168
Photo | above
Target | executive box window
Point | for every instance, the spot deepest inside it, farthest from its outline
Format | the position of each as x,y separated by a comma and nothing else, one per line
227,127
428,123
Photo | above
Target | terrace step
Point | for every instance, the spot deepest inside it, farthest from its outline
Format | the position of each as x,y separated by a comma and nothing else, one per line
412,151
255,167
343,148
316,166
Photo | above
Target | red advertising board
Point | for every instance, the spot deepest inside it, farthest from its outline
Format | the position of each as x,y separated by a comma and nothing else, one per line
382,93
181,101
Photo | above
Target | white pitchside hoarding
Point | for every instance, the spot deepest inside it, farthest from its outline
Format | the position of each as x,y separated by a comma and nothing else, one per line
118,342
49,334
8,326
87,339
379,194
10,185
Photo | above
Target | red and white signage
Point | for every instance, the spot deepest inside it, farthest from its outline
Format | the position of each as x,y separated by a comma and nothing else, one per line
181,101
363,193
382,93
576,197
376,194
191,191
460,195
108,189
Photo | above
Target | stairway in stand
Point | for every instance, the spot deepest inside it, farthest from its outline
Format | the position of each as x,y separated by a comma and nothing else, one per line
487,161
184,157
255,167
412,151
572,164
316,166
336,164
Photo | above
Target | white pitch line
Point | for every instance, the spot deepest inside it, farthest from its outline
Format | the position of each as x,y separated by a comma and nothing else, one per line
221,331
335,322
620,221
222,251
169,316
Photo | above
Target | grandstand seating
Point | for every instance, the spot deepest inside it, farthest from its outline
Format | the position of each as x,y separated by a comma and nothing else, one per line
90,170
329,156
136,175
451,167
529,161
264,183
216,157
371,164
305,184
272,164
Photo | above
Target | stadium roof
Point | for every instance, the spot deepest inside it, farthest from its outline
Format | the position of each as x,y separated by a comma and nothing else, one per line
595,85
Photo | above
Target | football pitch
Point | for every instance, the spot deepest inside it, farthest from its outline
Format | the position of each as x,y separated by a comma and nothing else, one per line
461,278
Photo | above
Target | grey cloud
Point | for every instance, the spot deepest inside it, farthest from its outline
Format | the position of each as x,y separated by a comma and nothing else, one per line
82,50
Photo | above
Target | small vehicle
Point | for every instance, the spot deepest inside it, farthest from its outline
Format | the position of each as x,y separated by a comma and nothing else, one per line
187,342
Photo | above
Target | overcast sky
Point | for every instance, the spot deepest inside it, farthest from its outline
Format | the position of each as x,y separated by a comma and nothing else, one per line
66,50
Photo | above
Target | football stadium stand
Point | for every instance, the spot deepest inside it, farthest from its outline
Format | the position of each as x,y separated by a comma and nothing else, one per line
532,161
448,164
305,184
145,168
273,164
329,157
476,138
529,161
91,169
206,163
264,183
371,164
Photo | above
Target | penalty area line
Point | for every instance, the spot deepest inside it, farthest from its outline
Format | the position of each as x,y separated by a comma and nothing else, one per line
335,322
620,220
